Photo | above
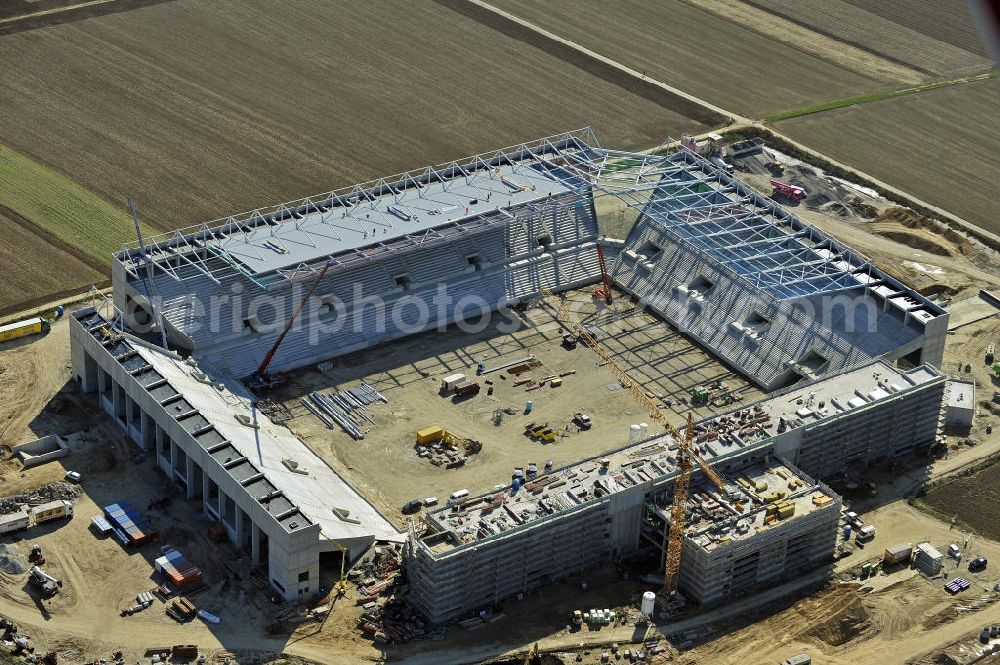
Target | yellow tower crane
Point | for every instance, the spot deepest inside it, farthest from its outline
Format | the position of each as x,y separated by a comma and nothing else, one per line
685,452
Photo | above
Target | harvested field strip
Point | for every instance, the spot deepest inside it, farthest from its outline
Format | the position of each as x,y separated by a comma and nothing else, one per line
973,500
587,63
805,40
712,57
62,209
884,37
38,268
18,16
878,96
949,21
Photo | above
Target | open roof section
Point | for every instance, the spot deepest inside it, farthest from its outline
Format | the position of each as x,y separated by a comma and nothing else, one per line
706,210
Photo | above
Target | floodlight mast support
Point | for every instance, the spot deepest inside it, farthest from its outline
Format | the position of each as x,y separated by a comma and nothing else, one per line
148,281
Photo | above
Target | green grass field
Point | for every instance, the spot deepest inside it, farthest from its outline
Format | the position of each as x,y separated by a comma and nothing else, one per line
62,208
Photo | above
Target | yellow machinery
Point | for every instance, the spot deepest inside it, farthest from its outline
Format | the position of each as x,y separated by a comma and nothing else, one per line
341,586
540,431
685,453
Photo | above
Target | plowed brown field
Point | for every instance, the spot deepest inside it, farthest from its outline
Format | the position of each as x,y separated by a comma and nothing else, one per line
205,109
36,268
975,501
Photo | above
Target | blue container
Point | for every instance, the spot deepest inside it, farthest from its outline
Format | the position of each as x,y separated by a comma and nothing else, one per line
847,532
515,484
527,407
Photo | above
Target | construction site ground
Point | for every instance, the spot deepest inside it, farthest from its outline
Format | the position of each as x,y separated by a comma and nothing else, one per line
409,375
901,621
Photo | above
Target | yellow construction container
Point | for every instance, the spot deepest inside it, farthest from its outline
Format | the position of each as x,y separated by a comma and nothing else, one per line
429,434
786,510
821,499
23,329
760,486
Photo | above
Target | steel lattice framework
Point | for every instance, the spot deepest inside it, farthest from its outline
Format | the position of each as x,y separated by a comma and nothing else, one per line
703,208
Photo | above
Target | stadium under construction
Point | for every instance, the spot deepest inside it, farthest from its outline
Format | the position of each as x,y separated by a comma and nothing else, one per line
845,355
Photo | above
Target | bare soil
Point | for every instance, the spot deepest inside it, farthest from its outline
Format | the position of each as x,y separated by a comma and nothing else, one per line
919,144
905,615
37,267
409,374
974,501
706,50
201,110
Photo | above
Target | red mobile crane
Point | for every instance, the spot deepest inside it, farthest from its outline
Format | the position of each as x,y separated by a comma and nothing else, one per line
260,378
605,290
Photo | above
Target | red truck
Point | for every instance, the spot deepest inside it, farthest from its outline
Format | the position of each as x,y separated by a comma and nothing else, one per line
466,388
788,191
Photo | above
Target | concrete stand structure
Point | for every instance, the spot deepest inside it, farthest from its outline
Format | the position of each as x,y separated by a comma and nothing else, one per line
278,501
849,351
494,546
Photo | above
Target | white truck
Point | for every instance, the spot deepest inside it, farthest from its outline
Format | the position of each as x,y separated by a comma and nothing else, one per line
51,511
14,521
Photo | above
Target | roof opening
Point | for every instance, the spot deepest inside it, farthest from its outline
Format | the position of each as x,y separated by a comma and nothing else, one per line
701,285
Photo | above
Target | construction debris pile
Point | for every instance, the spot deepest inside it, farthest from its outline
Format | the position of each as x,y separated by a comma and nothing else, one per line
12,562
443,448
386,618
344,408
740,428
56,491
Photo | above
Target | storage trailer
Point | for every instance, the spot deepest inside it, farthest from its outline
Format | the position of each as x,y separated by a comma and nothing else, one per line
18,329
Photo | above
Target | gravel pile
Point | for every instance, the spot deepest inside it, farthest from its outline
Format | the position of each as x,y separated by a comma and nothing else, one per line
11,562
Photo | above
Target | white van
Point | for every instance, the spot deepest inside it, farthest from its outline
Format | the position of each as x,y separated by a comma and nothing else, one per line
457,497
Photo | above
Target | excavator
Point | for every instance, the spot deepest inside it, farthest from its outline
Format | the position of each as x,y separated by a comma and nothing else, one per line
686,455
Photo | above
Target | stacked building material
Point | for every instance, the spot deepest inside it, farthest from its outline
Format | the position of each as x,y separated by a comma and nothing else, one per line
177,568
128,525
344,408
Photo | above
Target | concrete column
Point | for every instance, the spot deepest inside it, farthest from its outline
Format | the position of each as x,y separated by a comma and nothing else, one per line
118,395
189,473
239,525
204,493
254,543
144,434
128,412
173,458
158,441
222,506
